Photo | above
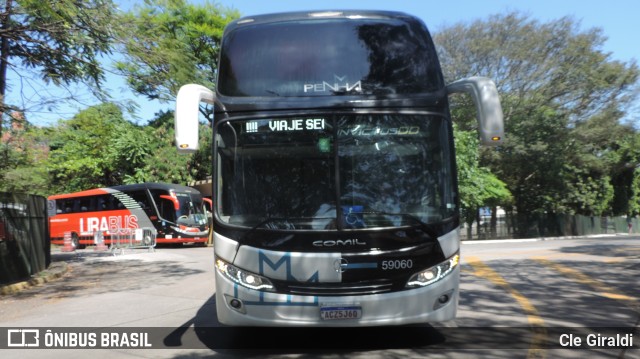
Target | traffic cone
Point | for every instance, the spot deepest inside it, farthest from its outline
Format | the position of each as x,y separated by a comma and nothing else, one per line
68,245
98,238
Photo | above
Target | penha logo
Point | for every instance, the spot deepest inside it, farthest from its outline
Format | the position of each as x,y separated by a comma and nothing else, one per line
339,85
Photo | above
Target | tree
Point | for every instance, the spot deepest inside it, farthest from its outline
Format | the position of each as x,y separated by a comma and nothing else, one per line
170,43
554,63
478,187
58,41
23,156
624,157
96,148
554,82
163,163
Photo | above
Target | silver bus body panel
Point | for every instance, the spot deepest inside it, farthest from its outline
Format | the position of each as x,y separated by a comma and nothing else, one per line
397,308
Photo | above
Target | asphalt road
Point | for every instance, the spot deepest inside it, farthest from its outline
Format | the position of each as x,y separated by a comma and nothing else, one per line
519,299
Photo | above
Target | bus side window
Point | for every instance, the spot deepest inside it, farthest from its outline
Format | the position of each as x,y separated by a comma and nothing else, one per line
59,208
103,203
84,204
67,204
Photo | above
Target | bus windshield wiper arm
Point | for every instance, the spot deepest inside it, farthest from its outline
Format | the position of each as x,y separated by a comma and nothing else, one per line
272,219
428,228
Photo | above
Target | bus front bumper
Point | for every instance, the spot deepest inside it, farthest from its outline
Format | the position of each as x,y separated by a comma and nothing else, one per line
240,306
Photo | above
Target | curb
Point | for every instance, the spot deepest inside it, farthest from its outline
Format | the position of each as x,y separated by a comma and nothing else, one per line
55,271
539,239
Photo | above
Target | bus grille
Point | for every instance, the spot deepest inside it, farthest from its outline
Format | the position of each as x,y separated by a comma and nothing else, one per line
336,289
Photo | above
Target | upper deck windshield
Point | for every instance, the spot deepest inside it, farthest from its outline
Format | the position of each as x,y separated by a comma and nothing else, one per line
325,57
335,172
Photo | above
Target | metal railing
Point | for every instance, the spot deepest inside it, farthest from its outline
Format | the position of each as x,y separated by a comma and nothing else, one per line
549,225
128,238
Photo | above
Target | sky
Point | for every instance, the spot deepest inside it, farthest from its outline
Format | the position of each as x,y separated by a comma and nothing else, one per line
618,19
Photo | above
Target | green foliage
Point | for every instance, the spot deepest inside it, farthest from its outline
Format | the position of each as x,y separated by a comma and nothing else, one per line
62,38
58,42
169,43
553,63
563,99
95,148
634,201
478,187
585,194
163,163
23,161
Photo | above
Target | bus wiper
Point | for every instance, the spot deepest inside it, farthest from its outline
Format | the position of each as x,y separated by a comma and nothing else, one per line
428,228
283,219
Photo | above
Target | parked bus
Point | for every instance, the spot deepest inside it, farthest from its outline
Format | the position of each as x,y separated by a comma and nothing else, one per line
177,213
334,170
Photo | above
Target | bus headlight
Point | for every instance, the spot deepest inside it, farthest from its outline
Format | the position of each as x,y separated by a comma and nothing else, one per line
433,274
244,278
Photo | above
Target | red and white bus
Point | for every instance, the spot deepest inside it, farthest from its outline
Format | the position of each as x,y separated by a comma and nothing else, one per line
177,213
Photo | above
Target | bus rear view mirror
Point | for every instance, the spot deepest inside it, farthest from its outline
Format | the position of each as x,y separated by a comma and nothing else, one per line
187,113
485,96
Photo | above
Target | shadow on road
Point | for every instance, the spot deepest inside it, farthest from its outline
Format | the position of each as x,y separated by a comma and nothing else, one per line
205,332
99,272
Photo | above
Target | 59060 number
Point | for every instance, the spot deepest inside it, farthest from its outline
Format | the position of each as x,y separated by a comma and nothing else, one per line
397,264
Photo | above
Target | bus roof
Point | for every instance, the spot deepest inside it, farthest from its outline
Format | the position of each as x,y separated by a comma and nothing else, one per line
325,14
155,185
125,188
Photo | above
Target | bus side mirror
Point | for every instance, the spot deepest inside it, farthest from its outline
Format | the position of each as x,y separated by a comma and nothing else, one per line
485,95
187,113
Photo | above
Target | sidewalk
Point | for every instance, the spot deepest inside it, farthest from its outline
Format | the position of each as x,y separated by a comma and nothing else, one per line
55,271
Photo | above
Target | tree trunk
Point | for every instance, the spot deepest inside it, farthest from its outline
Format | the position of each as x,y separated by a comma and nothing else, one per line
4,58
479,221
494,222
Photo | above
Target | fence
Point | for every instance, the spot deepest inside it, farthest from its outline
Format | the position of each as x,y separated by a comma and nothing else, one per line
514,225
119,240
24,236
132,238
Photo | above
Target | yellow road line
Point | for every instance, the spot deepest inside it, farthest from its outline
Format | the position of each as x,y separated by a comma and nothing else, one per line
601,288
535,320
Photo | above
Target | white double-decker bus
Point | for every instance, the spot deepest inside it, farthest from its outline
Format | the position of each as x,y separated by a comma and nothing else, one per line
335,190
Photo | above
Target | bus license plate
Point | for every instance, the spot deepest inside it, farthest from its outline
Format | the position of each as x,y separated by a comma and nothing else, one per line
337,313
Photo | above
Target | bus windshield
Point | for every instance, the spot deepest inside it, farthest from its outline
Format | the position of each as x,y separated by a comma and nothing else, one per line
335,172
181,208
191,211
